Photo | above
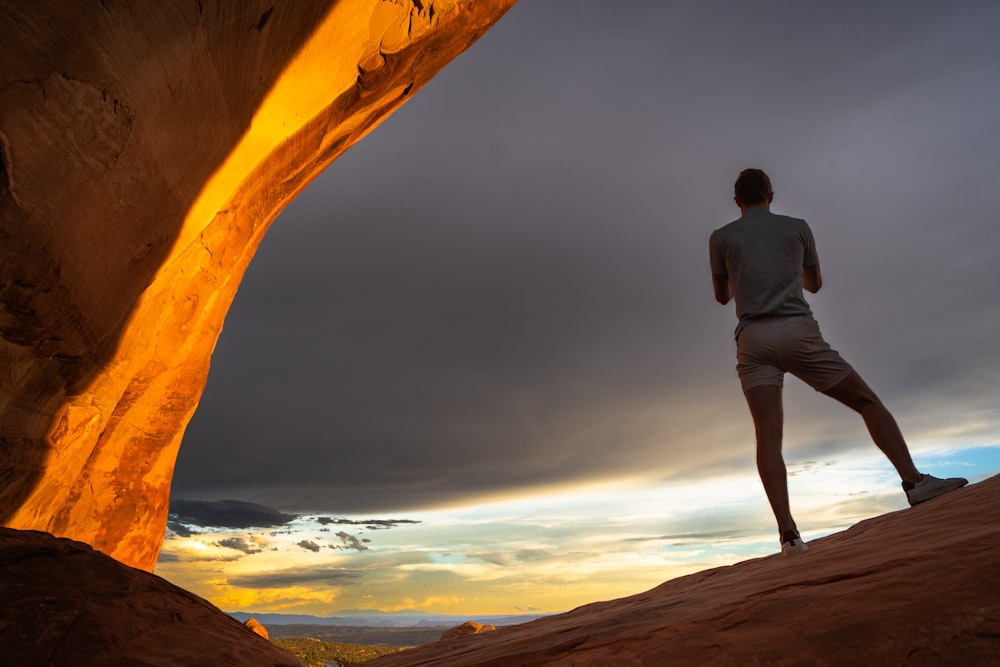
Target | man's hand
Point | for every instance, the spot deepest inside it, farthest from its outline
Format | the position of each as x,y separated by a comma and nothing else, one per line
720,282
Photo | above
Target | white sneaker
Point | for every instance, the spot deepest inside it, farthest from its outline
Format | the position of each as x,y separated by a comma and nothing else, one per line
791,543
930,487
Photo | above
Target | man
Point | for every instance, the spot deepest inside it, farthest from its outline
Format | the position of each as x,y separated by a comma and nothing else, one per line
763,260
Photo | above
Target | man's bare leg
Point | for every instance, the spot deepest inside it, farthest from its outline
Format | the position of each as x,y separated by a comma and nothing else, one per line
766,410
855,394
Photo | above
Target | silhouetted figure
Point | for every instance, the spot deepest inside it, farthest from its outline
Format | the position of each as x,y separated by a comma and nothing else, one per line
763,260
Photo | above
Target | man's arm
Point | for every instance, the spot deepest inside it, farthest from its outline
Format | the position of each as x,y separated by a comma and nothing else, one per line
720,275
811,278
720,282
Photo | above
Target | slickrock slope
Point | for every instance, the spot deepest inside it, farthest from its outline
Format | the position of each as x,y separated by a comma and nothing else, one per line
66,605
916,587
145,148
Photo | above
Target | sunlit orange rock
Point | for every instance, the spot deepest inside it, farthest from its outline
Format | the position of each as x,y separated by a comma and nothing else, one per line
145,148
255,626
466,629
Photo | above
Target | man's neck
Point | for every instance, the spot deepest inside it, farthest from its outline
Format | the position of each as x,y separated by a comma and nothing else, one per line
754,207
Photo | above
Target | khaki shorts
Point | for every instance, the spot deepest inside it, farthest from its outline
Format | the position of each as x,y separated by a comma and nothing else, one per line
769,347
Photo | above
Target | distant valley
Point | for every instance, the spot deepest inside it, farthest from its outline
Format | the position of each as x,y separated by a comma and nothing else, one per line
379,619
373,628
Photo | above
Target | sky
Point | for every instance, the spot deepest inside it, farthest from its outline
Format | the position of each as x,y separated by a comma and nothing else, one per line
476,367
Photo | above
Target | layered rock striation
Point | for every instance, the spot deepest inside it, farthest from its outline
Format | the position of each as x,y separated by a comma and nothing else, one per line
145,148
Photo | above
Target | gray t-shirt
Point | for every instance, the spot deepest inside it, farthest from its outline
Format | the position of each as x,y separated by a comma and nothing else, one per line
763,254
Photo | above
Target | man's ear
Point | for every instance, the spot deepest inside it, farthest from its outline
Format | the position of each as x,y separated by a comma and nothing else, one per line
770,197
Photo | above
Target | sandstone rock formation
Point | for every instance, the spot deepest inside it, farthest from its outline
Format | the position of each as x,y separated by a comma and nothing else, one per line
66,605
466,629
145,147
254,625
916,587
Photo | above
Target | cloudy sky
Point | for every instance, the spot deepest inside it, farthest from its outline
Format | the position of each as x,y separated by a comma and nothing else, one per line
484,340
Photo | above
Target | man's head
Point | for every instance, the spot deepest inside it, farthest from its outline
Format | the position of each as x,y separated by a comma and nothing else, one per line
752,189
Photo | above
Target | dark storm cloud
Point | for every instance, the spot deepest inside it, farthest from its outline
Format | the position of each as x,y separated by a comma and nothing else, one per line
298,576
240,544
370,524
181,530
351,542
223,514
173,554
506,285
309,545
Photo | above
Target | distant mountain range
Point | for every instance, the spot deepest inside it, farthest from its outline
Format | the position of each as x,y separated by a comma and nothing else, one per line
398,619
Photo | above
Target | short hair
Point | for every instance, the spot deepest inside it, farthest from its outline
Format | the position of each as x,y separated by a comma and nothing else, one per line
752,187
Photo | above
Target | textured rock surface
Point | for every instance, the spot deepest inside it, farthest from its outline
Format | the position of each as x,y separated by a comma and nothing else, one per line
145,147
916,587
66,605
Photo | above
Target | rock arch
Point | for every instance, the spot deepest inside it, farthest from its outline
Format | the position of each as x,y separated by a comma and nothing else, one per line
145,148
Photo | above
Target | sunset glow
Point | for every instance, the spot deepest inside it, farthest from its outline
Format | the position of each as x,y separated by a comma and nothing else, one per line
536,554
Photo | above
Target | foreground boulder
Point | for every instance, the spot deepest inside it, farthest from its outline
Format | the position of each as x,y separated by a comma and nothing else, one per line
145,148
62,604
915,587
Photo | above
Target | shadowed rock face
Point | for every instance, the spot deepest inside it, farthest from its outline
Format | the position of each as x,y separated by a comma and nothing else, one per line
66,604
145,147
916,587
